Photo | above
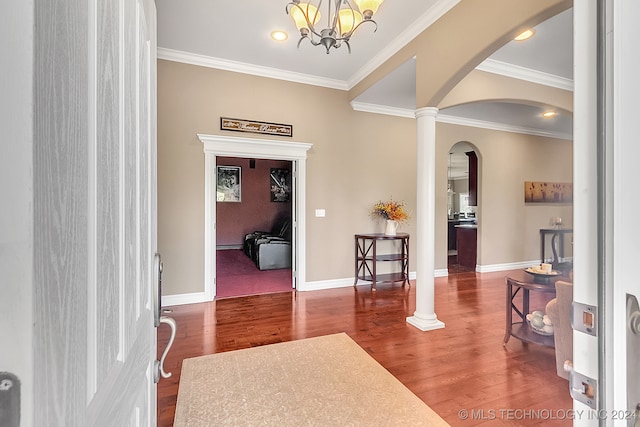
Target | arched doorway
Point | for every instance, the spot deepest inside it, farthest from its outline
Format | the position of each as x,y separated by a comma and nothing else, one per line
462,207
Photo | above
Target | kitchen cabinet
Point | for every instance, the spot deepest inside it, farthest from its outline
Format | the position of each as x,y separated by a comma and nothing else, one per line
473,178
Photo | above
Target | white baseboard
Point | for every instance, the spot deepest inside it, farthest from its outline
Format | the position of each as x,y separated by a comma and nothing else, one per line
197,297
327,284
507,266
343,283
225,247
181,299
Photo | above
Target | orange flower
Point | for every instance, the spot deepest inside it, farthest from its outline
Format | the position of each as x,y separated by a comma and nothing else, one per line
390,210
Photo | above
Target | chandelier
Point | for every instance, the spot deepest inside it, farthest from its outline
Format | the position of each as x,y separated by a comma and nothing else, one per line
343,20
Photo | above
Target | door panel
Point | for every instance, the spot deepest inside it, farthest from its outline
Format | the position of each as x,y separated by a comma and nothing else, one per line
95,195
125,345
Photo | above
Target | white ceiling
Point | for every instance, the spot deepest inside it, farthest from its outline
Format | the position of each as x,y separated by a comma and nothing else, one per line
235,35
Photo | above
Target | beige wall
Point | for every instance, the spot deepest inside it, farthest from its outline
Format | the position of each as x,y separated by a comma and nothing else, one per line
508,229
357,159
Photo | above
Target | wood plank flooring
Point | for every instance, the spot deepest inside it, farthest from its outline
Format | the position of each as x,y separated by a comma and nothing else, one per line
463,367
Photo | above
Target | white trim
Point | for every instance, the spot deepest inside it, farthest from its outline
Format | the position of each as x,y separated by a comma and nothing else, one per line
383,109
442,272
443,118
253,147
320,285
244,68
210,288
462,121
489,268
415,29
527,74
220,145
181,299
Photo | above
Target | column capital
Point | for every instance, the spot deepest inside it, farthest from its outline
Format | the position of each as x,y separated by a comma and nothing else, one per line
427,111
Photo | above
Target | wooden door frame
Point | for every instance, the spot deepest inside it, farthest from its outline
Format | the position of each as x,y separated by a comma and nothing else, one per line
227,146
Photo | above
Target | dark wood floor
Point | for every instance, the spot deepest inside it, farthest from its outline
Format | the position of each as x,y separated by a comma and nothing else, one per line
463,367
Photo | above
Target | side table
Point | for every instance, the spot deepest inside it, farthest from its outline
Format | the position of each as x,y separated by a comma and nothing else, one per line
368,256
519,328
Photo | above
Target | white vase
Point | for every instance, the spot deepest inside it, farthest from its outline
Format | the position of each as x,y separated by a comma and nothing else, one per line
391,228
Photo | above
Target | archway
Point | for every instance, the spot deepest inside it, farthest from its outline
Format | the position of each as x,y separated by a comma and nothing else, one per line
462,207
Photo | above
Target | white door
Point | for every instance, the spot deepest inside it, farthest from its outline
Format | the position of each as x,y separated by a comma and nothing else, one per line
95,212
623,345
605,243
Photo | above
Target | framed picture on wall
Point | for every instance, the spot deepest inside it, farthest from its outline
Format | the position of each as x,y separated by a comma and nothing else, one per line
228,186
280,185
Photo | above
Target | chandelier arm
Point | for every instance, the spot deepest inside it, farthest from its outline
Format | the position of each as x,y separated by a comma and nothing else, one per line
334,24
353,30
306,18
315,16
311,40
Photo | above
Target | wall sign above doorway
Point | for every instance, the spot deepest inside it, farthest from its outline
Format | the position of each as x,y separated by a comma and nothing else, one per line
241,125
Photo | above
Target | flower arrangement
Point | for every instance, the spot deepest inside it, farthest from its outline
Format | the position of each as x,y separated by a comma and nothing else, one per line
390,210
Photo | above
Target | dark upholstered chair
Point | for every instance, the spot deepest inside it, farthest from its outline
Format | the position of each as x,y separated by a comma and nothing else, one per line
270,250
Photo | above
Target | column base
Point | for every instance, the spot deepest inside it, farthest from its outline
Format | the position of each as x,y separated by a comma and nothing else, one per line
425,324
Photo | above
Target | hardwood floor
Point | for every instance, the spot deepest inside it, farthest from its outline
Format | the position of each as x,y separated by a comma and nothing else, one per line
461,367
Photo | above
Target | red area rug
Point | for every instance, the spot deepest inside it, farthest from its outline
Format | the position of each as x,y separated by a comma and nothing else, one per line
238,276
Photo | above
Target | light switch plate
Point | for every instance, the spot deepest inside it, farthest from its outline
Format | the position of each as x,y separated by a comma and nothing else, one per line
320,213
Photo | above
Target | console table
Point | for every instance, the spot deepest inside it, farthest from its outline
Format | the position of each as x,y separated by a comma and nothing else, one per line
522,282
368,256
555,233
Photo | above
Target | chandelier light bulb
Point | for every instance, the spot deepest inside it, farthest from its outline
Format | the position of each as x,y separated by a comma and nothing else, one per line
368,7
303,14
348,19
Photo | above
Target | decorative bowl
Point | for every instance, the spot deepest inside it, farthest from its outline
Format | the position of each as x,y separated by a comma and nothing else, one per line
540,331
540,276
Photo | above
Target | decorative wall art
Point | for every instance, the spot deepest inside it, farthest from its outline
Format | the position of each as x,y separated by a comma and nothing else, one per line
548,192
241,125
280,185
228,185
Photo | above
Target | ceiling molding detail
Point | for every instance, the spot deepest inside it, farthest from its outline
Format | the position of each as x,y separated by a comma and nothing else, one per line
414,30
382,109
443,118
527,74
244,68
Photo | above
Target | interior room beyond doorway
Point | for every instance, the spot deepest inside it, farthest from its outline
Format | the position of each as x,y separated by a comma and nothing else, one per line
462,208
260,198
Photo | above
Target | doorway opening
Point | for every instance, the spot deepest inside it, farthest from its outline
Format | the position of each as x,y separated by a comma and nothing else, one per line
462,208
253,226
249,148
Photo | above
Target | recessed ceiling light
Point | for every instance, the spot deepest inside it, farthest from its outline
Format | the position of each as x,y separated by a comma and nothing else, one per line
527,34
279,35
549,114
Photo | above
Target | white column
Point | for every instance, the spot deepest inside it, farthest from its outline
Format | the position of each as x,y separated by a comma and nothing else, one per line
424,318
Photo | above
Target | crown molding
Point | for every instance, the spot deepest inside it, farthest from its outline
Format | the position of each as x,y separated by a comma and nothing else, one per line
244,68
415,29
443,118
527,74
383,109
